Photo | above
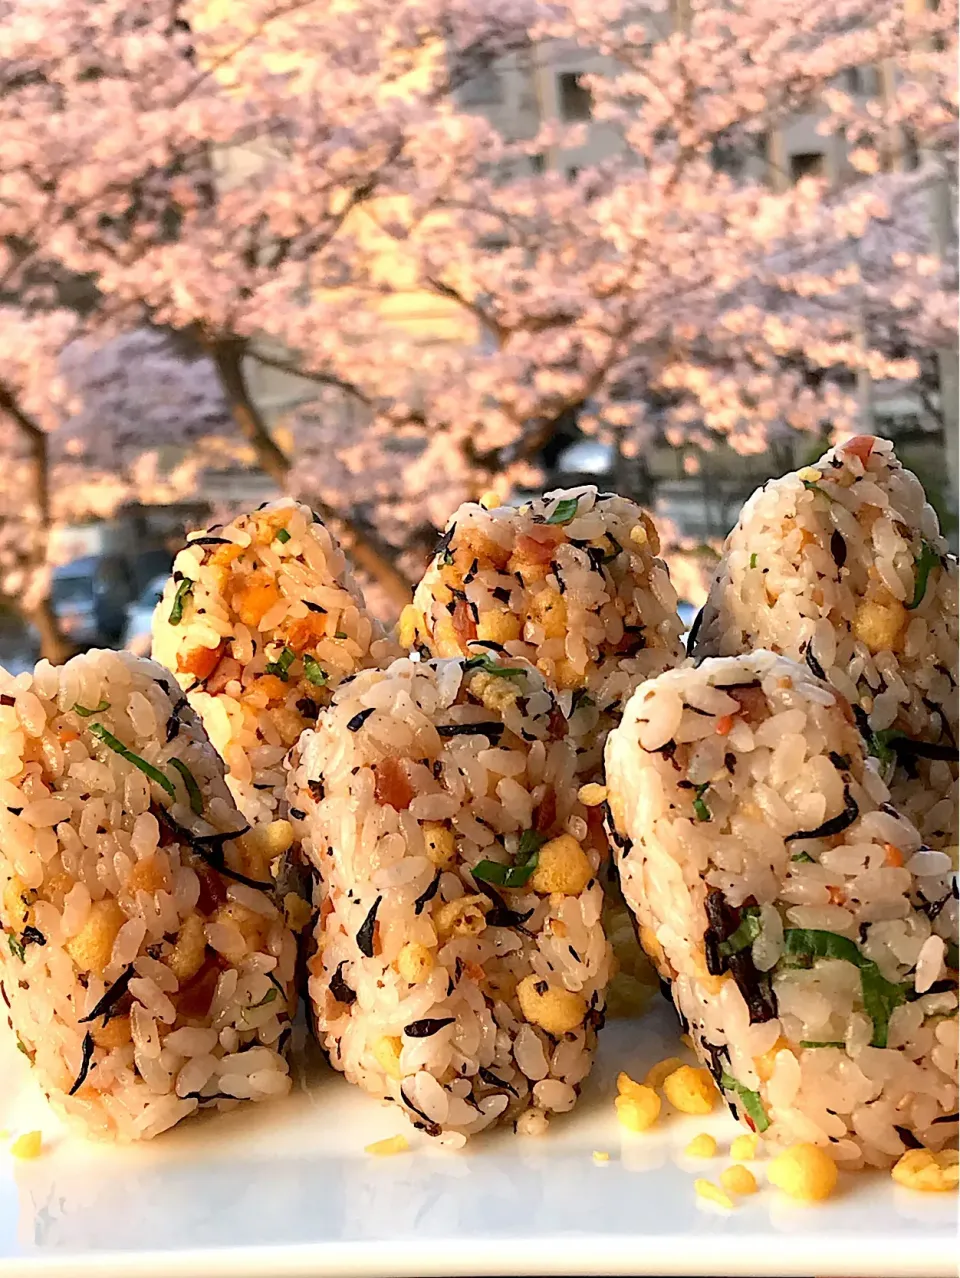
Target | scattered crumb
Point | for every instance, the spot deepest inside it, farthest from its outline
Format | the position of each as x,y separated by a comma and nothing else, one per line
29,1145
928,1171
392,1145
657,1073
601,1156
639,1108
490,500
702,1146
744,1147
626,1085
707,1189
690,1090
804,1171
738,1180
687,1041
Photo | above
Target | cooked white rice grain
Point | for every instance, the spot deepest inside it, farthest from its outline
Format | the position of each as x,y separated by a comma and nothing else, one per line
809,944
459,954
842,565
571,582
111,985
260,621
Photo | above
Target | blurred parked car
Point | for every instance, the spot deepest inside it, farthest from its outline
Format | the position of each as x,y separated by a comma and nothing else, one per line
688,614
90,598
136,635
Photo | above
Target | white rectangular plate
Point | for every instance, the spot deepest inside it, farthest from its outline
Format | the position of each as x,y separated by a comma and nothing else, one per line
286,1189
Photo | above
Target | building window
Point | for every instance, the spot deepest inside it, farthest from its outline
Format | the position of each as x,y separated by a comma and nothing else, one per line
484,87
853,80
806,164
576,101
911,150
727,158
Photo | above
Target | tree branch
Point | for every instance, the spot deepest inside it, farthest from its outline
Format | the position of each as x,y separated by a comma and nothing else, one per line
322,379
367,549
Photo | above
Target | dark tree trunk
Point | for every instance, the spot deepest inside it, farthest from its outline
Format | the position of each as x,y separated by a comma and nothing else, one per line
54,645
368,551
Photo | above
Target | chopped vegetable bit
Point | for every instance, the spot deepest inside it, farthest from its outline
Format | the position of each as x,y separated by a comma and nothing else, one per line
880,747
269,997
601,1156
282,665
639,1108
750,1100
746,933
16,946
657,1073
282,536
85,713
564,511
927,1171
392,1145
744,1147
313,672
148,770
516,875
708,1190
753,560
183,592
193,790
487,664
815,488
880,997
690,1090
701,809
925,561
592,795
804,1171
702,1146
29,1145
738,1180
808,1042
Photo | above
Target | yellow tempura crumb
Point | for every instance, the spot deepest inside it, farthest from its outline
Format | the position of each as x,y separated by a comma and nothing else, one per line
601,1156
928,1171
657,1073
29,1145
392,1145
738,1180
490,500
690,1090
744,1147
626,1086
702,1146
687,1041
707,1189
592,795
638,1109
804,1171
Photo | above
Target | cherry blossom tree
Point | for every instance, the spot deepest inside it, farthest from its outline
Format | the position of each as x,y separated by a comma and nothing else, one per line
271,180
